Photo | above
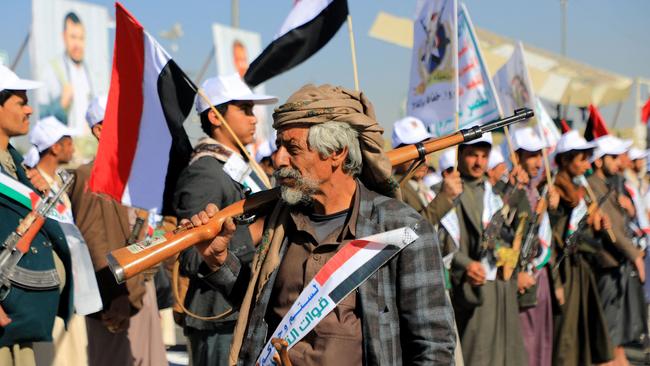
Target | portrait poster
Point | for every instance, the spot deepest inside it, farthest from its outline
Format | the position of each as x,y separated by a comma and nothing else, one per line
433,88
69,53
235,49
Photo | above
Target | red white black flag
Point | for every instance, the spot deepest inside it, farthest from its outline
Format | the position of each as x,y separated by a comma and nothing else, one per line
309,26
596,126
143,145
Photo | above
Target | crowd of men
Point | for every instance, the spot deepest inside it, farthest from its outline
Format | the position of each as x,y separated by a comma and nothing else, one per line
508,267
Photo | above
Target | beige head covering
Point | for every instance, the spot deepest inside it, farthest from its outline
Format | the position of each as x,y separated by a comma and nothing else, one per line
319,104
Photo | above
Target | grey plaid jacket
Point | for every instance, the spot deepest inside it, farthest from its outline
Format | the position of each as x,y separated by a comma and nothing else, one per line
407,318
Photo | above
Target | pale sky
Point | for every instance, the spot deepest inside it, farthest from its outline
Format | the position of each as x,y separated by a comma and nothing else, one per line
611,35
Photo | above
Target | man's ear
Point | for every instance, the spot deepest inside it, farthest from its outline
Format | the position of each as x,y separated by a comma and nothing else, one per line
212,117
56,149
338,157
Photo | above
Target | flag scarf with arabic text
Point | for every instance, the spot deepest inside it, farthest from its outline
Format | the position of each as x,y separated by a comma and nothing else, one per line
143,145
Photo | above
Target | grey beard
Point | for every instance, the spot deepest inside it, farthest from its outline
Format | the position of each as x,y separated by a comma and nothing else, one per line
295,197
301,193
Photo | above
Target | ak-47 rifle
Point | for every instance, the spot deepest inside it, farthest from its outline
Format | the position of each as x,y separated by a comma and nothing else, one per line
492,232
128,261
529,247
571,241
19,241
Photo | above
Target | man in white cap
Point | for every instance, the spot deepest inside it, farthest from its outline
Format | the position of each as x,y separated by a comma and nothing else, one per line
264,156
127,330
580,330
636,174
497,168
95,115
415,192
35,299
218,174
535,295
482,301
619,268
51,147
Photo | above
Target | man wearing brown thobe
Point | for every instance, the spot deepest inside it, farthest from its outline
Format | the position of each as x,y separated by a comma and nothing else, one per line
127,331
485,305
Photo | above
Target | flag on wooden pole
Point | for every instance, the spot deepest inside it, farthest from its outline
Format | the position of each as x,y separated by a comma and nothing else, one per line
143,145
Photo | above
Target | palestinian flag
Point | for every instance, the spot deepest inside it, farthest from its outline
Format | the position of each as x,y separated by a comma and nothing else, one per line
143,146
596,126
25,196
309,26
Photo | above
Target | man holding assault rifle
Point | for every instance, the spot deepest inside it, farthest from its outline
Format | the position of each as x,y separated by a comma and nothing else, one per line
32,291
344,274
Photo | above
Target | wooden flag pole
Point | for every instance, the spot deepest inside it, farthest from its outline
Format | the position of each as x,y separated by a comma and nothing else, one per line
253,164
353,49
513,155
457,146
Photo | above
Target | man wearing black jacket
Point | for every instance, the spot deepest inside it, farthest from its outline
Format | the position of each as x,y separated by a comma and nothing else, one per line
217,173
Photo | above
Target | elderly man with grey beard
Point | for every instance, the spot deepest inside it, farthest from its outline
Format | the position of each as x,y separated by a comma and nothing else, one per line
335,182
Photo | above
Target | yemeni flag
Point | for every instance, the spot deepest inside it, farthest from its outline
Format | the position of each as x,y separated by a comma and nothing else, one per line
596,126
645,112
143,146
309,26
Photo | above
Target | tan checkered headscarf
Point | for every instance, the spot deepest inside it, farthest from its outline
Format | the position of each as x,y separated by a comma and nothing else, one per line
319,104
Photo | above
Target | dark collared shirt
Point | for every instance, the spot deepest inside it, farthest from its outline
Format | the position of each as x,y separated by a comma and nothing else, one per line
313,240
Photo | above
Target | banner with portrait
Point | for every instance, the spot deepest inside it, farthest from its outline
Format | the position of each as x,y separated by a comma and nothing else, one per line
433,88
513,84
235,49
69,53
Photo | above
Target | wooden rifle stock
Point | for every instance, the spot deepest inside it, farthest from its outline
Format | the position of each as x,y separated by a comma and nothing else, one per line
129,261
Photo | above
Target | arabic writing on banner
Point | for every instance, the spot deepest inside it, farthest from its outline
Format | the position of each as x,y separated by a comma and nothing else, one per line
477,98
432,94
348,269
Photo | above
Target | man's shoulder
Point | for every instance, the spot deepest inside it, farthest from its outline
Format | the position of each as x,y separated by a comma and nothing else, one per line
597,183
84,170
204,168
390,212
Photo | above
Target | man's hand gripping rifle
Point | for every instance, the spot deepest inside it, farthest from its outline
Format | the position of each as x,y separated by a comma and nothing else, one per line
571,241
531,243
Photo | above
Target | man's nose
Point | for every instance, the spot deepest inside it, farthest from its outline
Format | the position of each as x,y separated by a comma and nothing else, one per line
281,157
